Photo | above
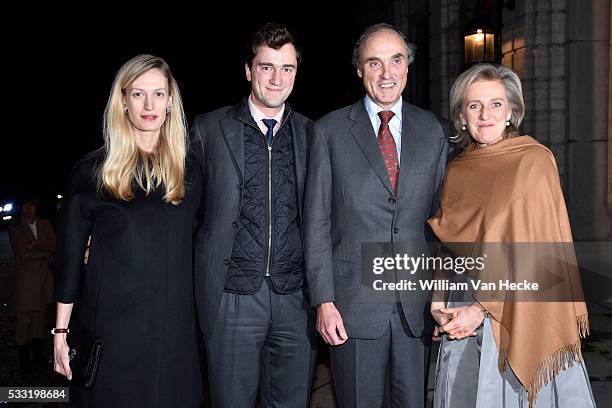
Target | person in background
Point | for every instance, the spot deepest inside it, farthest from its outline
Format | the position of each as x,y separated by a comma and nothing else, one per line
137,198
33,243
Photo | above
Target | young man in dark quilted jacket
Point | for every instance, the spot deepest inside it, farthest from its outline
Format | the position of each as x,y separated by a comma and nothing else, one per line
251,294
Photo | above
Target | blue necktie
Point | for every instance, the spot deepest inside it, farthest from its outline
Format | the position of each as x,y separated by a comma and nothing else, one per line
270,123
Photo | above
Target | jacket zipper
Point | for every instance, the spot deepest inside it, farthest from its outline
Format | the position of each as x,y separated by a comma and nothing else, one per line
269,258
269,255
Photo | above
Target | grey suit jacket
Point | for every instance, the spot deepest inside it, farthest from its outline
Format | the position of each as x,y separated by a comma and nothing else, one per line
217,139
349,200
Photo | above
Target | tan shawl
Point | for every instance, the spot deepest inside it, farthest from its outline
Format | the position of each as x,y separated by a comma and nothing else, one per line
510,192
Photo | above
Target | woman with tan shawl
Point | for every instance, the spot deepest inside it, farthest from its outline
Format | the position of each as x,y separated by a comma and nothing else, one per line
504,188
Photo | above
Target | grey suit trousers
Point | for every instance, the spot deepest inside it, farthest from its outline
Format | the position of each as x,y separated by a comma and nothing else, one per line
262,342
390,371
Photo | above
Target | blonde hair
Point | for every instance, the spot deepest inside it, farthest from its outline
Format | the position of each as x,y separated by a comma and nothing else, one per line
124,163
486,72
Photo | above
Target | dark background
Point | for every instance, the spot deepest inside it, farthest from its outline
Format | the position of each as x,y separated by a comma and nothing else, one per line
63,61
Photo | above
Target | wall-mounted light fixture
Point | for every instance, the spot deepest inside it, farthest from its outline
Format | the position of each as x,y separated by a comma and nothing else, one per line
483,29
479,45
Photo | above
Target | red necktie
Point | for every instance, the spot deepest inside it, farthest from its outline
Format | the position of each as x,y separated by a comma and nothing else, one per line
387,147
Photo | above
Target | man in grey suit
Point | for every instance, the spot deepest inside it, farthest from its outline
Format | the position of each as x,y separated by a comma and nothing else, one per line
249,258
374,173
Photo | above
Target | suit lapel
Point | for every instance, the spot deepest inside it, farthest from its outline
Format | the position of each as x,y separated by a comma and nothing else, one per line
26,231
233,132
410,137
364,135
299,156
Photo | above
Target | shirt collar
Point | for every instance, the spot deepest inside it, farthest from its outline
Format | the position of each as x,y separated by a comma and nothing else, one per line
258,115
373,108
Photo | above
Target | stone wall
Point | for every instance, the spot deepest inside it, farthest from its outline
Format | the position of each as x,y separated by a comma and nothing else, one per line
562,53
534,46
587,62
610,122
446,56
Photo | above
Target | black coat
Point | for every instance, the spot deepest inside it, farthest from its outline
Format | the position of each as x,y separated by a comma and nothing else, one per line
136,292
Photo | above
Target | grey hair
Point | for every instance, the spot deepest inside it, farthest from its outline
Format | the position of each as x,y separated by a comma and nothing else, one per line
486,72
356,60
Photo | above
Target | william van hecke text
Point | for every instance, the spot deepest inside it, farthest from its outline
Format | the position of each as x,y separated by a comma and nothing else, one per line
448,285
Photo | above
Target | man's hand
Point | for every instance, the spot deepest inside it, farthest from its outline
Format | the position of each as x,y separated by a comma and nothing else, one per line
440,318
330,325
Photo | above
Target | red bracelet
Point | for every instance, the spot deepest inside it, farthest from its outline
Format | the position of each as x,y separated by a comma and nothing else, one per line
59,331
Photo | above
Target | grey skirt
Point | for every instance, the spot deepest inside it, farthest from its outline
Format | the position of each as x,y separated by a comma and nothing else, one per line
467,376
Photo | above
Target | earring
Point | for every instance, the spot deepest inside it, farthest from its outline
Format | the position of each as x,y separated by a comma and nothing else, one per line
168,109
507,123
463,127
125,111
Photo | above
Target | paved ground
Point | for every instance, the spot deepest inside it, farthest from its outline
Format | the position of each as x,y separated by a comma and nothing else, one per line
597,349
597,353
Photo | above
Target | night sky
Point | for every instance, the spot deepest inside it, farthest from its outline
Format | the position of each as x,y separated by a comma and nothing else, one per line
60,77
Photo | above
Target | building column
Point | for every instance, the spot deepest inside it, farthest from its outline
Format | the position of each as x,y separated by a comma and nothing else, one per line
610,122
445,52
587,63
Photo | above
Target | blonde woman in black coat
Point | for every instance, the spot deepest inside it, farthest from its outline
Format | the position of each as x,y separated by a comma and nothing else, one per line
137,198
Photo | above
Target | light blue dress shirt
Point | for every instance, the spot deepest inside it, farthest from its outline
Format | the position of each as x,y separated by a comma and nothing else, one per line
395,124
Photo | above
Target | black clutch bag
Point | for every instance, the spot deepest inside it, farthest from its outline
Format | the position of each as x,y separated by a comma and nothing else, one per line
85,350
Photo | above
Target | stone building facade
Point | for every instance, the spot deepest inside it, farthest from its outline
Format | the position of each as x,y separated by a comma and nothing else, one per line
562,53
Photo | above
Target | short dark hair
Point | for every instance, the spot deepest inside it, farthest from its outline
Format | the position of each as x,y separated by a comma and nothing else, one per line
356,60
271,35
